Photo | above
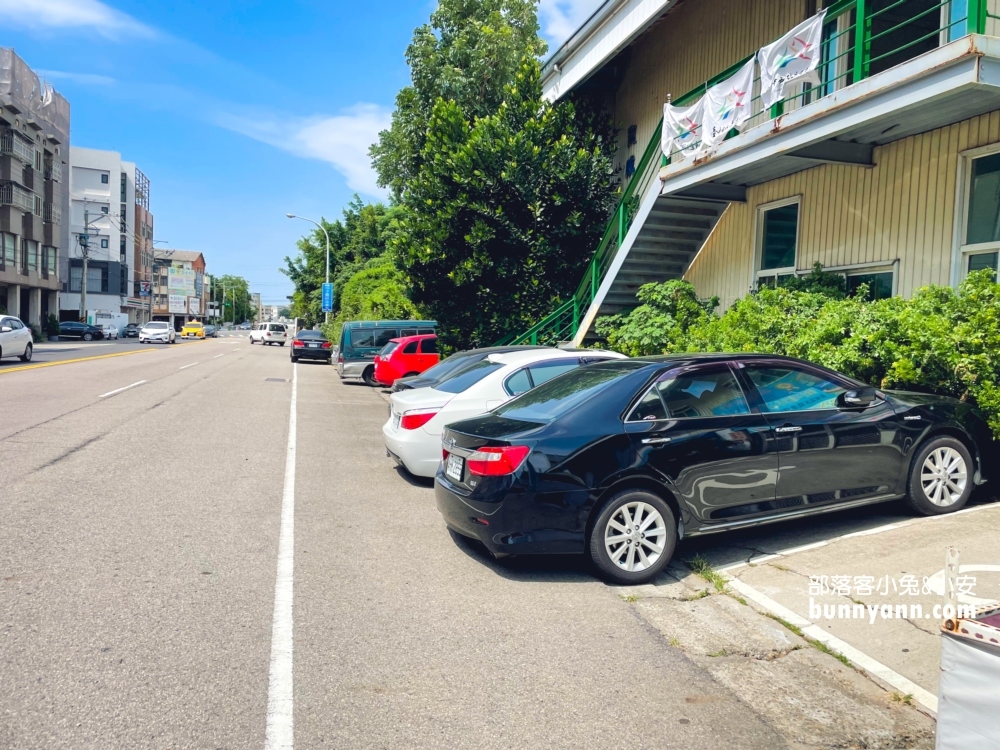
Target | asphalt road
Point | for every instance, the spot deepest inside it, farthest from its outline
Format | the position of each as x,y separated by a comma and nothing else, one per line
139,539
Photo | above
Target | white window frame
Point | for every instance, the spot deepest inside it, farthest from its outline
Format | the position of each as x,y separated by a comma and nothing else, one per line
961,251
759,273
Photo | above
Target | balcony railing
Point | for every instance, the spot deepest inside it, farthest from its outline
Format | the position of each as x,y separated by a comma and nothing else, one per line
851,51
54,171
14,195
52,214
12,145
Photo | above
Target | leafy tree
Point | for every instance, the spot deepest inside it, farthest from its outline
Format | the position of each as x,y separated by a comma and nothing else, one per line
285,312
376,292
237,307
504,214
467,54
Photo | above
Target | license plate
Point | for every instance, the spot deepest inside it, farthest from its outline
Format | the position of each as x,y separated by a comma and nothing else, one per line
312,346
395,421
454,467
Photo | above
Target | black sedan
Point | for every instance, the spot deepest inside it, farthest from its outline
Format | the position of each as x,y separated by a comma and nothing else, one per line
311,345
70,329
131,331
620,459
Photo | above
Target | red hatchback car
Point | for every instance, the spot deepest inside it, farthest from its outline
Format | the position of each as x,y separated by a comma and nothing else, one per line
409,355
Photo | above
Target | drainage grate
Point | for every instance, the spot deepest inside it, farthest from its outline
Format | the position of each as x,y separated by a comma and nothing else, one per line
275,380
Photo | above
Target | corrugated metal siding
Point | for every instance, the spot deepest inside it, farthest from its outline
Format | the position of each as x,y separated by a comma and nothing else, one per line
903,208
694,42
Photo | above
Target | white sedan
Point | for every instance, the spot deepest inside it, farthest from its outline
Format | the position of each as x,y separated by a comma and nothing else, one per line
417,417
15,338
157,330
110,331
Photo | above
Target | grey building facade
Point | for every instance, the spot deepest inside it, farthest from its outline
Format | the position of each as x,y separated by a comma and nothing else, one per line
34,191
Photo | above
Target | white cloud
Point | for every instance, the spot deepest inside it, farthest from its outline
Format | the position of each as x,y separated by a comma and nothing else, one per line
340,140
73,14
88,79
560,18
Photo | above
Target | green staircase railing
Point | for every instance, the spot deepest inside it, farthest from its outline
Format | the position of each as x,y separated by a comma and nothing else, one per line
844,61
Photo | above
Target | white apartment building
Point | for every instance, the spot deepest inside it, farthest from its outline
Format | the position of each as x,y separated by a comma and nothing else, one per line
110,222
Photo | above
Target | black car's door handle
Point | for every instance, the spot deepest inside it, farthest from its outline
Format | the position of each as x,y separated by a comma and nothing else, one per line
788,428
654,441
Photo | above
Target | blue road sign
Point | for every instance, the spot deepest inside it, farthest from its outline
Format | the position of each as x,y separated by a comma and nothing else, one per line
327,298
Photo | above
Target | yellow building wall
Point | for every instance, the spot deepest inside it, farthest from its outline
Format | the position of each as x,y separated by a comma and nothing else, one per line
902,208
694,42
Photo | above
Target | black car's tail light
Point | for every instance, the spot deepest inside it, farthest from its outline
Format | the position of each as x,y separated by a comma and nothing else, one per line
326,345
497,462
296,342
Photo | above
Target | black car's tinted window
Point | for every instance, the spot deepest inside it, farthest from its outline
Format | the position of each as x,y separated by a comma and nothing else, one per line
707,394
559,395
791,389
649,408
466,378
310,335
363,339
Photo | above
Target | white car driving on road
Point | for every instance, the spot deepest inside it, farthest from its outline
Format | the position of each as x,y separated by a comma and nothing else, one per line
157,330
15,338
417,417
269,333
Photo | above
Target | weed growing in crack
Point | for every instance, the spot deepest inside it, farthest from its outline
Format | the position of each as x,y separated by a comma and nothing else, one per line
899,698
701,566
812,642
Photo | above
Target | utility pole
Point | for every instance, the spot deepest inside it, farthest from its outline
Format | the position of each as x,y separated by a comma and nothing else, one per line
85,245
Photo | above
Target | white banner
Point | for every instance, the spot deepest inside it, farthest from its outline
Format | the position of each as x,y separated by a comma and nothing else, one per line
727,105
178,304
791,59
194,305
682,127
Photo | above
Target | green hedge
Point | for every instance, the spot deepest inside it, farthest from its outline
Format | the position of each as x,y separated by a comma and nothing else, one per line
940,341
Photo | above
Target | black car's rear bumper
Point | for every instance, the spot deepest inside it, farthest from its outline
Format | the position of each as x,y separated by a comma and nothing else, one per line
520,524
323,354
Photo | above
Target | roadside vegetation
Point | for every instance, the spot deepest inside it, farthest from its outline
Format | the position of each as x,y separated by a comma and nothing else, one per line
497,197
939,341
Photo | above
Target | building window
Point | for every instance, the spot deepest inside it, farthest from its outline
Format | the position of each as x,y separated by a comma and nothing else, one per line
75,274
777,241
104,243
105,210
104,179
8,250
30,254
879,283
980,237
97,280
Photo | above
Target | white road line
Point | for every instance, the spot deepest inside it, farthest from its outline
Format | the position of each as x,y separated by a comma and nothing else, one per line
190,365
218,355
279,732
119,390
879,671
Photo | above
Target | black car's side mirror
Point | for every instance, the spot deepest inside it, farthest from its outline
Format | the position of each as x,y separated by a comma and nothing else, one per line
853,399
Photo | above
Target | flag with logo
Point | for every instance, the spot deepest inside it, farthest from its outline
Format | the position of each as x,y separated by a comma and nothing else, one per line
793,58
682,128
727,105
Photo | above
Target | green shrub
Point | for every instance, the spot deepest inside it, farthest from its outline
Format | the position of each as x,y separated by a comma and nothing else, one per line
940,341
52,326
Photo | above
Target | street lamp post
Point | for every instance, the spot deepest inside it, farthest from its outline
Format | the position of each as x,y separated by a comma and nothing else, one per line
293,216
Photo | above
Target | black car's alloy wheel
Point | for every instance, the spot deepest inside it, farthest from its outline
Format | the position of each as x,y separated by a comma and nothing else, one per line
88,337
940,477
633,538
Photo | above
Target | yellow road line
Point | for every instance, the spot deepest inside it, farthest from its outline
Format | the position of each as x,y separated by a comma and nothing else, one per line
84,359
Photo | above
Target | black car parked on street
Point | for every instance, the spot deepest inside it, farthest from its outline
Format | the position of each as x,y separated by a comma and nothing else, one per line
70,329
311,345
621,459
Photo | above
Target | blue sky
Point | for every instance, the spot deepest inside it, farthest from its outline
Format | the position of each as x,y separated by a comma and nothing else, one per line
238,111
